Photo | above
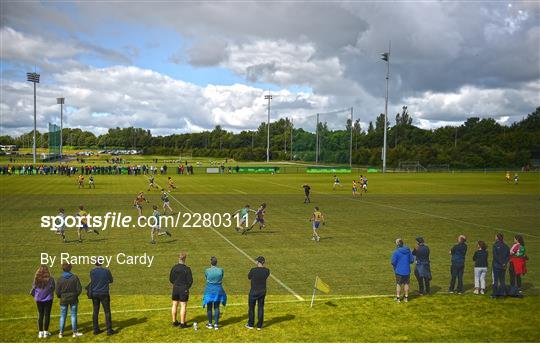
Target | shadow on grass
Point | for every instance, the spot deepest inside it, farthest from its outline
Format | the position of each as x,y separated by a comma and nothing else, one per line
277,320
330,303
233,320
435,289
527,286
172,241
95,240
118,325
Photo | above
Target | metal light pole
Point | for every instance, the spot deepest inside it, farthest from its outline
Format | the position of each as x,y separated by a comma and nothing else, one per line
350,143
269,97
317,141
34,77
292,132
386,57
61,102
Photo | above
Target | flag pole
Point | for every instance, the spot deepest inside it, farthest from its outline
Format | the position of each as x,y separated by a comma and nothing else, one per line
314,290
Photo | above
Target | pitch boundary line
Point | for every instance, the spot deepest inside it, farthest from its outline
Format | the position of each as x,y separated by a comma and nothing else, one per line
295,294
421,213
240,191
142,310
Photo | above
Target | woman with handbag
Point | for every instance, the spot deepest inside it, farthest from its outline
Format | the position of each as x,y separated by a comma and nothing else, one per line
43,293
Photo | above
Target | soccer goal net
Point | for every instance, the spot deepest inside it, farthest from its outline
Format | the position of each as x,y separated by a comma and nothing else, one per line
54,137
439,168
411,166
324,138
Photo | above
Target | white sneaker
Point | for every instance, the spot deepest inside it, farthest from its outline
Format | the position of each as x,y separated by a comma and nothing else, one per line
77,334
46,334
40,334
476,291
216,327
60,335
482,291
209,326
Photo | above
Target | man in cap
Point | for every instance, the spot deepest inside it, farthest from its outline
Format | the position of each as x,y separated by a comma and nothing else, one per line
422,270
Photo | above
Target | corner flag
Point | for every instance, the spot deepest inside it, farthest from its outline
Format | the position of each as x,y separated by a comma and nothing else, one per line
320,286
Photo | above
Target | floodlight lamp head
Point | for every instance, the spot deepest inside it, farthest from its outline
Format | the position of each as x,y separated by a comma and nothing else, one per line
32,77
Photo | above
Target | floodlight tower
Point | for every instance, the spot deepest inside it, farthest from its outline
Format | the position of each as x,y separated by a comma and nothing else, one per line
269,98
386,57
61,102
34,77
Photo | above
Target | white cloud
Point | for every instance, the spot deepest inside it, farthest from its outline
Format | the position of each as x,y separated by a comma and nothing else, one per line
102,98
282,63
433,109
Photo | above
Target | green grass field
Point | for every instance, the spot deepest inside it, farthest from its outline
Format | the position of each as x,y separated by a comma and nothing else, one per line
352,257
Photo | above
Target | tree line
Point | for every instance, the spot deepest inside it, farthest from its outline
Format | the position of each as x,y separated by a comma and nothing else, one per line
475,143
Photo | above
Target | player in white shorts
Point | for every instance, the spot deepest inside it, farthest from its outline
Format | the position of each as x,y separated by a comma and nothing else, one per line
166,203
156,226
337,182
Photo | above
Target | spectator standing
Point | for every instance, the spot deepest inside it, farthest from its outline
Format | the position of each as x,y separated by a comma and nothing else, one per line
501,257
181,279
422,270
68,290
43,293
100,279
257,293
402,259
457,266
214,294
480,259
517,268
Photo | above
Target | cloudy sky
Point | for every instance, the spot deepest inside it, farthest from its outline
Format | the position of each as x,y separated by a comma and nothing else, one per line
176,67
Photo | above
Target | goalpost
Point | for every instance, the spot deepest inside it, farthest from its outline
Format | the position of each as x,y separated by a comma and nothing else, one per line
411,166
54,137
325,137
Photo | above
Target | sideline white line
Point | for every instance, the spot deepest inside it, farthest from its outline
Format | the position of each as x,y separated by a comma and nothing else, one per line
142,310
295,294
240,191
418,212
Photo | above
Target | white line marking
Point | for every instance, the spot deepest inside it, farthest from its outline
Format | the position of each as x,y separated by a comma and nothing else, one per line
240,191
418,212
295,294
141,310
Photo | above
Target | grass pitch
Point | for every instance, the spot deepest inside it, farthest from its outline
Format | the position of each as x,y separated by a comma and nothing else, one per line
352,257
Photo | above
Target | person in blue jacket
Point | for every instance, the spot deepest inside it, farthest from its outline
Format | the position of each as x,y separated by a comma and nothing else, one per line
457,266
402,259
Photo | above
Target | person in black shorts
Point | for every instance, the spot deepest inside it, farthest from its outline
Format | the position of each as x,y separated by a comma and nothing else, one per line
257,293
307,191
402,259
181,279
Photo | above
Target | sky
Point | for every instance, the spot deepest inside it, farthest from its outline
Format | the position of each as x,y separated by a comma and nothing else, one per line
185,66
